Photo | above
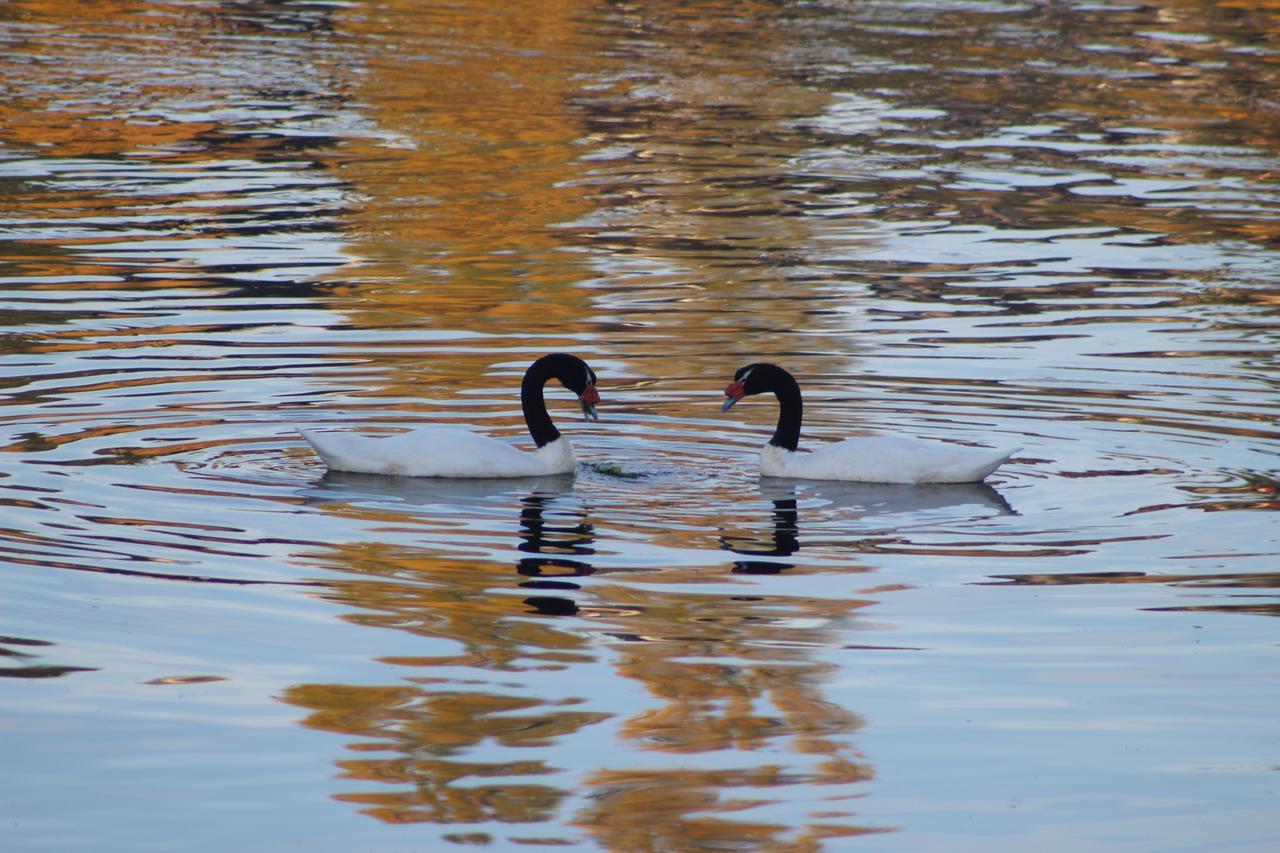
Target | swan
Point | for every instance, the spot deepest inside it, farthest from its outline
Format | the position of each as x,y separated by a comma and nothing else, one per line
869,459
441,451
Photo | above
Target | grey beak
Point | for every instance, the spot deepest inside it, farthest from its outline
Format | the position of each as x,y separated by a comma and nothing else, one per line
728,403
589,411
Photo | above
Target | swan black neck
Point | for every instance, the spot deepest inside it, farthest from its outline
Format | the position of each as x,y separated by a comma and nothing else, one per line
790,411
762,378
572,372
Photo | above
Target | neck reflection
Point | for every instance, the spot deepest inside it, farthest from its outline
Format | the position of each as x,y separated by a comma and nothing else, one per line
553,548
784,541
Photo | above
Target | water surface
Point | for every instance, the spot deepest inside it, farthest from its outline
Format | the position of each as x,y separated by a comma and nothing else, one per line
1050,226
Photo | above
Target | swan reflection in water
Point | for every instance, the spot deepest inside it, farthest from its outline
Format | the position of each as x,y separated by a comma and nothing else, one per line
785,542
549,543
554,549
850,501
476,726
418,493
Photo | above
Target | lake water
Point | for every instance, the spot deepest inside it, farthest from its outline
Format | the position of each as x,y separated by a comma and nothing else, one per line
1046,225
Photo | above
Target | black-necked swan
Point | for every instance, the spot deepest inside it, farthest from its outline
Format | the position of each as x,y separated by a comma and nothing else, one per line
868,459
441,451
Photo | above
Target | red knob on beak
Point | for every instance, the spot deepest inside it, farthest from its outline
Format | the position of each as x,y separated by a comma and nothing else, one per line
734,392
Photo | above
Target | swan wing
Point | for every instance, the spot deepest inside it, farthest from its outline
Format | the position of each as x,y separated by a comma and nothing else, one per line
891,459
437,452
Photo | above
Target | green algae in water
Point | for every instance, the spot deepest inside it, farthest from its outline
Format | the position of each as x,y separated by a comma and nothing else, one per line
611,469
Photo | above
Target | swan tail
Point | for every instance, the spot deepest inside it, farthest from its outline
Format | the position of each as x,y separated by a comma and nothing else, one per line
321,443
978,472
335,450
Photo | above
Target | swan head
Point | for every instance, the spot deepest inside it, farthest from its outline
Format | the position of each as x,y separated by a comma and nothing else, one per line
752,379
576,375
588,400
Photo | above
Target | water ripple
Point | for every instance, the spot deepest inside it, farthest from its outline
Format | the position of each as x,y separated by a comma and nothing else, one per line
986,224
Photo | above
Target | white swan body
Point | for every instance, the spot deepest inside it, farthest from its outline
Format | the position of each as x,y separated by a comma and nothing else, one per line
869,459
441,451
884,459
438,452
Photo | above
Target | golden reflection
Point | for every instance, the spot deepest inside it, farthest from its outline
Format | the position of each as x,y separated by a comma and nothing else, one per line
128,76
509,190
1257,491
472,165
684,810
728,674
699,228
143,140
426,735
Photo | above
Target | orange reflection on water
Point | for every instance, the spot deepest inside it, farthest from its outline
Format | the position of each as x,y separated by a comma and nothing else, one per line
473,163
726,673
427,735
687,809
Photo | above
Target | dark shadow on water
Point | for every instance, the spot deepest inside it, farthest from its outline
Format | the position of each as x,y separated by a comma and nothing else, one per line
857,500
877,499
341,486
26,667
1263,601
